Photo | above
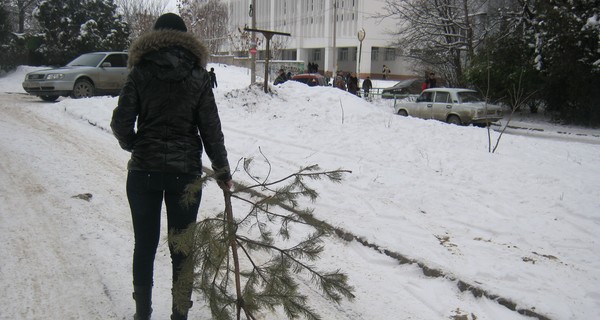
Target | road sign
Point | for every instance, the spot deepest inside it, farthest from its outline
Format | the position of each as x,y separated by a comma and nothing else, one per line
252,50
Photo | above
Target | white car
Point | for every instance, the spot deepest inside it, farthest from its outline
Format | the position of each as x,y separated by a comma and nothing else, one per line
451,105
90,74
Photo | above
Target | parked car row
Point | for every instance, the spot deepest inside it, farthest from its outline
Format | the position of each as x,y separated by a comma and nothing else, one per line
102,73
452,105
91,74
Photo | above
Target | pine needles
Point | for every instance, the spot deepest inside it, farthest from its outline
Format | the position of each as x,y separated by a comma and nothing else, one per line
259,262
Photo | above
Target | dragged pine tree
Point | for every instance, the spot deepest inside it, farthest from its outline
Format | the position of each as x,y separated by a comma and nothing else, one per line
257,262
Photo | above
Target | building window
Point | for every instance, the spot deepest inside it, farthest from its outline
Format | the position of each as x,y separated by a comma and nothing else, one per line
317,55
390,54
343,54
375,54
354,54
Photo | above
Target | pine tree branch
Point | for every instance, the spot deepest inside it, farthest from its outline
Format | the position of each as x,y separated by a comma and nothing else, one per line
256,206
246,167
332,175
236,262
274,282
325,281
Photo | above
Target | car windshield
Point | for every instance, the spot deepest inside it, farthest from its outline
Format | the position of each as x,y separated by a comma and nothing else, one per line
469,96
404,83
87,60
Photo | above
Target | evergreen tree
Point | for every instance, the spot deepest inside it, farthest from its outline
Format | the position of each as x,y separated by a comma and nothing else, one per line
256,262
566,35
73,27
8,56
503,68
547,50
5,28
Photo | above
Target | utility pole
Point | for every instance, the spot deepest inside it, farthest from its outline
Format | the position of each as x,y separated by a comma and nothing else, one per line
253,44
268,35
334,35
361,36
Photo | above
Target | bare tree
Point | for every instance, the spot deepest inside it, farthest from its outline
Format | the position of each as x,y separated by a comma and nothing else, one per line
278,45
22,9
518,97
141,14
207,19
441,34
240,40
25,8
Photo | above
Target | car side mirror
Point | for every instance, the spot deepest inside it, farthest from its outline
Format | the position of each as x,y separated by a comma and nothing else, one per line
106,65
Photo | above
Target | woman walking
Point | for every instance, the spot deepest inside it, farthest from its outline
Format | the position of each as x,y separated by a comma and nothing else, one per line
168,94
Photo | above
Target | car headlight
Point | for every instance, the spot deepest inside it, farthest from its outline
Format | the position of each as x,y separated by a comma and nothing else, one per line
55,76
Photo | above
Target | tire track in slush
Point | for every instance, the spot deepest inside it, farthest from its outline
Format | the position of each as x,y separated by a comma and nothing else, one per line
402,259
463,286
54,147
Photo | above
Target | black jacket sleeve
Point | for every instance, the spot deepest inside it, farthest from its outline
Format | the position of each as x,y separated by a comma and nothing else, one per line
209,126
125,115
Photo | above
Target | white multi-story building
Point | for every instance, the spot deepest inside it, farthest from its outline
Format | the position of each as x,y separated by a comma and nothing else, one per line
311,24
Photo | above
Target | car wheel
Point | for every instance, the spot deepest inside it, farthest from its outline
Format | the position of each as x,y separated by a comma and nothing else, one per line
82,89
49,98
403,113
454,119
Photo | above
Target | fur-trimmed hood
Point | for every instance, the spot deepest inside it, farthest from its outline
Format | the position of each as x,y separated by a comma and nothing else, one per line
159,39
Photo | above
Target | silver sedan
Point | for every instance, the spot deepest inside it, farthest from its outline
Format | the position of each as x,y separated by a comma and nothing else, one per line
451,105
91,74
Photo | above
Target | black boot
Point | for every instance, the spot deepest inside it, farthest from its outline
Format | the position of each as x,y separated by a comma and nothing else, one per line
181,305
143,302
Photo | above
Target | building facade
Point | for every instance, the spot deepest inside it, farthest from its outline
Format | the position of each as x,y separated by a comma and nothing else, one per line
325,33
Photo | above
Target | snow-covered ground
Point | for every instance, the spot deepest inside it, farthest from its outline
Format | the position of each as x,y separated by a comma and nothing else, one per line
521,224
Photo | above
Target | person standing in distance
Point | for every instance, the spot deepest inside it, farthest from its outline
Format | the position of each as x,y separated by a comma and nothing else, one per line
367,85
386,72
168,93
431,81
353,84
213,78
281,78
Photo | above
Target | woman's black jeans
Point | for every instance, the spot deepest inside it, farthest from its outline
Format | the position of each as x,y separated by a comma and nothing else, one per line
146,192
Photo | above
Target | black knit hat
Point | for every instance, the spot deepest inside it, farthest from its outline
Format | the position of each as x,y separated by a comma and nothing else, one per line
170,21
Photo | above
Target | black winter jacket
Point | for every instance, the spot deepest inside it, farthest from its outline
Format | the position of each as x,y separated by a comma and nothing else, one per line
168,92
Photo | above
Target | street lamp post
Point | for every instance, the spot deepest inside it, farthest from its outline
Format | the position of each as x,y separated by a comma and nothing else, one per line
361,37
